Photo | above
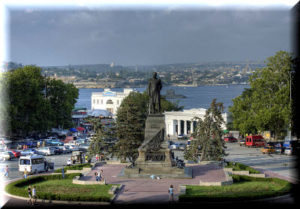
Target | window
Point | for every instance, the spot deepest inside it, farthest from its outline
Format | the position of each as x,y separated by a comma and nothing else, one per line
94,101
109,101
101,101
97,101
24,162
117,102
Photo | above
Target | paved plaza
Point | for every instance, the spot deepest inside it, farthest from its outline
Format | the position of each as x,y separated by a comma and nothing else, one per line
137,190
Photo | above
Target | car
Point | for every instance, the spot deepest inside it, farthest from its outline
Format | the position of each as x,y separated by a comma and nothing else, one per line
181,136
57,150
181,146
230,139
16,153
45,151
288,151
30,151
268,150
7,155
278,148
54,142
242,142
174,146
74,147
83,147
65,149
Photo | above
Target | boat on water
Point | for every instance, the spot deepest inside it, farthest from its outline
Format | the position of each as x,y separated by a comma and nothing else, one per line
170,94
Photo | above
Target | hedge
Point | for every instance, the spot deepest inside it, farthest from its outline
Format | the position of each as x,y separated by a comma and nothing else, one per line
74,167
17,188
240,195
241,167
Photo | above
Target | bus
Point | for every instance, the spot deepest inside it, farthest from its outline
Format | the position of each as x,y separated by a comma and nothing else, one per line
34,164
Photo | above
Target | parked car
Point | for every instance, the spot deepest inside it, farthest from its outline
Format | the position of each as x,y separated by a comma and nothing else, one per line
83,147
57,150
16,153
242,142
288,150
30,151
7,155
181,136
54,142
230,139
278,148
65,149
268,150
174,146
45,151
182,146
74,148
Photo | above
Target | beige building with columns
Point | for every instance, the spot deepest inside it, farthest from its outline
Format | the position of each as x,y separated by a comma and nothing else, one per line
182,122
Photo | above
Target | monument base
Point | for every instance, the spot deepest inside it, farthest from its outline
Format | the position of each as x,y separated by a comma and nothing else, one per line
167,172
154,155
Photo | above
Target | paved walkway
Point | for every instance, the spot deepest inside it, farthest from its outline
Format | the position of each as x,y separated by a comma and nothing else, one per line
153,190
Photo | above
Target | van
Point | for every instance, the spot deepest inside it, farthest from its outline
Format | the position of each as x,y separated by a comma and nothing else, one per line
255,141
33,164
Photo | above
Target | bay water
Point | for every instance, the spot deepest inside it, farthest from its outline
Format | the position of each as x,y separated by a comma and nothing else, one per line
196,97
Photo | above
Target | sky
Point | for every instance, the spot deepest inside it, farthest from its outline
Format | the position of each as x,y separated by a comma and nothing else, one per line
147,36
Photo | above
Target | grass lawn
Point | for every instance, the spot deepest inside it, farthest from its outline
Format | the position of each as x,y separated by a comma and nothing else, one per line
60,189
241,167
243,188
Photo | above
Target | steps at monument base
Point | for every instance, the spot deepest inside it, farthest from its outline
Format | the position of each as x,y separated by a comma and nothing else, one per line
163,172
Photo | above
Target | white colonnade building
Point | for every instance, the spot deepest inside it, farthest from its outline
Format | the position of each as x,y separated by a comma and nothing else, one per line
109,100
183,123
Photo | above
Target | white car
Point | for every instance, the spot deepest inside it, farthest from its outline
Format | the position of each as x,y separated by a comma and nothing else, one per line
46,151
6,155
174,146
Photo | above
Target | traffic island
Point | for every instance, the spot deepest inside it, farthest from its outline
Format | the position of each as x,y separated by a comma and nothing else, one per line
244,188
55,189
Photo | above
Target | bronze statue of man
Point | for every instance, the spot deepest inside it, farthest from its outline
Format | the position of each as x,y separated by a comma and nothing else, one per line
154,87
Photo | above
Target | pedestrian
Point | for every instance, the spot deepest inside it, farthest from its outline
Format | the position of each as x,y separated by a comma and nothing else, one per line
171,193
34,195
99,176
63,172
29,195
6,171
96,175
97,157
25,173
69,162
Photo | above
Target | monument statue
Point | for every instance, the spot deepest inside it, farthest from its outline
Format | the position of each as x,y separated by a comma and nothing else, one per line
154,87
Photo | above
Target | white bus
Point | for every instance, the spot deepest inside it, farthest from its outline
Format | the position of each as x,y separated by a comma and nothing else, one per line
33,164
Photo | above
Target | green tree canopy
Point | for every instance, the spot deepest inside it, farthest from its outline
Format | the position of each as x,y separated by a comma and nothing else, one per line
208,142
28,103
266,104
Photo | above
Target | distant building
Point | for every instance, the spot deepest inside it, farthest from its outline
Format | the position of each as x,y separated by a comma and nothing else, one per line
108,100
182,122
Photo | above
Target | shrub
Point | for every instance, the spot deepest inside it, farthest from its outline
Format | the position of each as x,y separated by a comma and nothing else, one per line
241,167
74,167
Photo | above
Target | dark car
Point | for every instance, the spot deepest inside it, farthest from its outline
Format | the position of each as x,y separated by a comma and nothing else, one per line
230,139
57,150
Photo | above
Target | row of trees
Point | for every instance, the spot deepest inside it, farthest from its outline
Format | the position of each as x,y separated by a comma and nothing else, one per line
32,103
266,105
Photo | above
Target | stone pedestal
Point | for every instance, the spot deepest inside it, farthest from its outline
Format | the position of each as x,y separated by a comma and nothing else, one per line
154,154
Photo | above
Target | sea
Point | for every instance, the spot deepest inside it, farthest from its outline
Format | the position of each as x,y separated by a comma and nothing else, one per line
196,97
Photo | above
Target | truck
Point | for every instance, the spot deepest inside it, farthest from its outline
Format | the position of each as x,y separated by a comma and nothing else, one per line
77,157
255,141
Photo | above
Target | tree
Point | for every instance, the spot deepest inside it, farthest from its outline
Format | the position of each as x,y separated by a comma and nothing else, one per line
208,135
130,124
33,103
266,105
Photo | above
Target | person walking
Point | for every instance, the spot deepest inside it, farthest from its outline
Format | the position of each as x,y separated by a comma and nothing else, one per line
99,176
34,195
25,173
6,171
29,195
96,176
171,193
63,172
